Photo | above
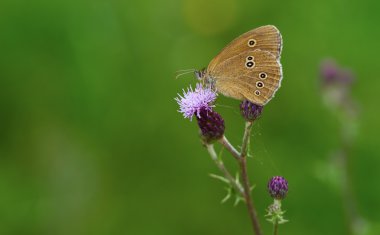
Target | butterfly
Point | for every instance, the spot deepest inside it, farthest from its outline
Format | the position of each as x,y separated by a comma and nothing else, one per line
249,67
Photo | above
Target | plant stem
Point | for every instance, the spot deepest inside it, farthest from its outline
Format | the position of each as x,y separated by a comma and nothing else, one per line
224,141
219,163
246,137
275,228
244,175
349,202
247,197
355,220
242,159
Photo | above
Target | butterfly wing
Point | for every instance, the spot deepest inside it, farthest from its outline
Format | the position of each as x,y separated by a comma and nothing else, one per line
265,38
254,75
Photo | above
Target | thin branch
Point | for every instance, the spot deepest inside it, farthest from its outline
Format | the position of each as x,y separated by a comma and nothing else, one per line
275,228
355,220
224,141
247,196
349,202
244,175
219,163
246,138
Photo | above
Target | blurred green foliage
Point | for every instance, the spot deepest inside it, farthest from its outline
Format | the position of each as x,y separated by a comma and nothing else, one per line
92,143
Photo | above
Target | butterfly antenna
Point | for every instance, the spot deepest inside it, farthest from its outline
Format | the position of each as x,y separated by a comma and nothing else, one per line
183,72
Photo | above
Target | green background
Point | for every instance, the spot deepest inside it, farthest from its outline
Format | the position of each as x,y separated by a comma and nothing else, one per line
91,141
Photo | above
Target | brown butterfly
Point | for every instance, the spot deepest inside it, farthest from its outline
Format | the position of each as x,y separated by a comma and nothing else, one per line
248,67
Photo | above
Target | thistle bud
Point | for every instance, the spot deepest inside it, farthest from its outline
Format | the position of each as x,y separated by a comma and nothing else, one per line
250,111
278,187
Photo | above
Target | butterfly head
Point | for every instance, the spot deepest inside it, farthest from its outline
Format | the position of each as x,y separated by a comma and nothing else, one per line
204,77
200,74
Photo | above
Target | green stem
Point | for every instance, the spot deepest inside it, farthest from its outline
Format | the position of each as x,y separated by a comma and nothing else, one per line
348,121
275,228
224,141
219,163
246,138
244,175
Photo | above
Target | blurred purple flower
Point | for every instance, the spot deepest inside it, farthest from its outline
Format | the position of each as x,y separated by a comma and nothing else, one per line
194,101
332,74
329,71
336,85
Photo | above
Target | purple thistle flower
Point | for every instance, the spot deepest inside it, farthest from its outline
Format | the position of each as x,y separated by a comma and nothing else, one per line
250,111
332,74
329,71
278,187
211,125
336,85
194,101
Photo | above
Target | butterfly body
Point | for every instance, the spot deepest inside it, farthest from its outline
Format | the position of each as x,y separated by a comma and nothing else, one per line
249,67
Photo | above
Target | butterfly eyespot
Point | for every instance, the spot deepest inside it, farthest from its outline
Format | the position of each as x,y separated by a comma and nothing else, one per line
249,58
259,84
263,75
257,92
249,64
251,42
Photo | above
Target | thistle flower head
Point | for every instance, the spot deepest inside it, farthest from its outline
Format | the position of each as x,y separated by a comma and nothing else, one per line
329,71
332,74
278,187
336,86
193,101
211,125
250,111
